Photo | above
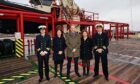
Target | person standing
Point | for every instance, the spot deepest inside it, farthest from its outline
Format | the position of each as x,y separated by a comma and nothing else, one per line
73,42
59,46
43,44
86,52
100,43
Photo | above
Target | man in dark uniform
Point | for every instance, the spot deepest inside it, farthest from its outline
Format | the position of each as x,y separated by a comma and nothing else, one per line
43,44
100,43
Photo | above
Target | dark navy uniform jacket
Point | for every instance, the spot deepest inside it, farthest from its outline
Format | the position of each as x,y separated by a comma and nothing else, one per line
101,41
43,44
59,44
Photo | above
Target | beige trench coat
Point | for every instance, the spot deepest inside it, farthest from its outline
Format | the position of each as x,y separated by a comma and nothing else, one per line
73,43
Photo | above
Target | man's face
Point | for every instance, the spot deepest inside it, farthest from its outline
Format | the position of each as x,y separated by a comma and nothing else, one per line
99,29
42,31
73,29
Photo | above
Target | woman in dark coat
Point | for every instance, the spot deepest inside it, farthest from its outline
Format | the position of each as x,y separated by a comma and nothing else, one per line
86,52
59,46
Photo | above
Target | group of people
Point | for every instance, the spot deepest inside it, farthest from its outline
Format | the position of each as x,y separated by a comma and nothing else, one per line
76,46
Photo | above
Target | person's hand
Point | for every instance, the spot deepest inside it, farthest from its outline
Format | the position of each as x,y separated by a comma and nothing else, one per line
60,52
99,50
45,52
73,50
42,53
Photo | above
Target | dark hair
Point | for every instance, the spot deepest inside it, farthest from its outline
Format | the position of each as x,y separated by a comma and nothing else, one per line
57,31
88,35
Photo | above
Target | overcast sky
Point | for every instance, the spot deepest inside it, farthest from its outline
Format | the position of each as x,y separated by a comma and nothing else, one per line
111,10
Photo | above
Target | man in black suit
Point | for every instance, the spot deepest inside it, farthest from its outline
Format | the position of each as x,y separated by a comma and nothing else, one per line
43,44
100,43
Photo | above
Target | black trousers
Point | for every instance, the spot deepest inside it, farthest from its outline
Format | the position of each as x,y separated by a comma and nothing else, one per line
75,65
41,60
104,60
56,63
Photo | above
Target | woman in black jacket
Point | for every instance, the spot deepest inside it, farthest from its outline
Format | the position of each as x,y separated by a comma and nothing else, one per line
86,52
59,46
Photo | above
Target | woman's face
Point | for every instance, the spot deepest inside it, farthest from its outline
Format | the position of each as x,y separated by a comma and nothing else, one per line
85,34
59,33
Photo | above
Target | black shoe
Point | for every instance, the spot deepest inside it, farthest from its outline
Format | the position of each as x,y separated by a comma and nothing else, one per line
78,74
87,74
40,80
60,74
96,75
106,78
84,74
68,76
55,75
47,78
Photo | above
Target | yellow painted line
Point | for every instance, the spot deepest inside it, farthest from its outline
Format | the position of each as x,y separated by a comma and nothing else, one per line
25,74
8,79
32,72
21,46
18,55
2,82
71,83
64,77
67,80
19,52
36,70
17,76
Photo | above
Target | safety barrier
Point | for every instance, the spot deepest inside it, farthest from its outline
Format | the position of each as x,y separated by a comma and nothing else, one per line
29,47
19,48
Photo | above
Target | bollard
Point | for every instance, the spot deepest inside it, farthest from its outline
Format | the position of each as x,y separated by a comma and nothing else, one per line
28,47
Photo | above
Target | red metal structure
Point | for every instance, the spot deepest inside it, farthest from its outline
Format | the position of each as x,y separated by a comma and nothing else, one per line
21,15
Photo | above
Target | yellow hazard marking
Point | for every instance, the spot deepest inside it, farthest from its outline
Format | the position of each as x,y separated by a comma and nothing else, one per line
17,76
21,46
71,83
18,55
64,77
36,70
8,79
32,72
25,74
2,82
19,52
67,80
18,41
21,40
